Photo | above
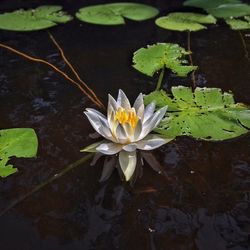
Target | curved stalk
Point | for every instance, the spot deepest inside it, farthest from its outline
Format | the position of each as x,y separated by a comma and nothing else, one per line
45,183
39,60
191,59
73,70
244,46
159,82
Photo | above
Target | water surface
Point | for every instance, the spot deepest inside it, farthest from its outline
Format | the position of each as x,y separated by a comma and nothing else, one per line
205,202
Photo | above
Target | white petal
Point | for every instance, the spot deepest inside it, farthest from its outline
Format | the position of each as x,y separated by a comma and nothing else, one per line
122,100
139,106
121,135
129,132
112,107
96,117
151,142
112,102
138,130
161,114
111,120
100,125
130,147
106,133
109,148
127,162
152,123
94,120
149,111
99,114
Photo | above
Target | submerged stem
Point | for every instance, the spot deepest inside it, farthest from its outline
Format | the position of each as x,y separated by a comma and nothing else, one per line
191,59
159,82
244,46
73,70
39,60
45,183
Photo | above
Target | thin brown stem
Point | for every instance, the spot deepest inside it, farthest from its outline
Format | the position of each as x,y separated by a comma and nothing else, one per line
45,183
73,70
191,59
244,46
34,59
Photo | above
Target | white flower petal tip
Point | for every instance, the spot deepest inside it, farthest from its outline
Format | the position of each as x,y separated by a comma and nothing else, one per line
151,144
122,100
127,162
109,148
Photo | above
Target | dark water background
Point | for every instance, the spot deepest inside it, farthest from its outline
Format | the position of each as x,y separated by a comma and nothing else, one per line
205,205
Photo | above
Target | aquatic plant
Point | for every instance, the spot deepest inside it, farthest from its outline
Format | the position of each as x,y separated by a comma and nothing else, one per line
160,56
239,24
184,21
126,130
234,12
221,8
18,142
206,113
116,13
34,19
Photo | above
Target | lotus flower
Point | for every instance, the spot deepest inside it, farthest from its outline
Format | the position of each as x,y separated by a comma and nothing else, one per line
126,129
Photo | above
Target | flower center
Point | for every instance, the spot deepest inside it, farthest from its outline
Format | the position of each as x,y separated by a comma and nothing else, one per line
126,116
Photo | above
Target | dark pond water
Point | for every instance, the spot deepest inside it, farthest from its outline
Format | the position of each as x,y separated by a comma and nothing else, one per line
205,204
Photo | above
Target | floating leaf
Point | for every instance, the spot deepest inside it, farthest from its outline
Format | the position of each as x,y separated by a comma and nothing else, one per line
184,21
35,19
238,24
206,114
208,4
221,8
230,10
153,58
19,142
115,13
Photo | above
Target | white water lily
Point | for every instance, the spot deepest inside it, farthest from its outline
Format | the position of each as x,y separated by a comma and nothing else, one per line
126,129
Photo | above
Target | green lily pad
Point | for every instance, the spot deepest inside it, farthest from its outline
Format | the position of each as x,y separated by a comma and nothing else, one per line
18,142
155,57
206,113
238,24
209,4
221,8
115,13
185,21
35,19
230,10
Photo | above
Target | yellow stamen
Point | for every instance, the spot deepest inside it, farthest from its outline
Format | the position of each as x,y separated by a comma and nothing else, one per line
126,116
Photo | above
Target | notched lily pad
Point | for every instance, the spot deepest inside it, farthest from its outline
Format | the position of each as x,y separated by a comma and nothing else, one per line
35,19
183,21
153,58
18,142
206,114
239,24
116,13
